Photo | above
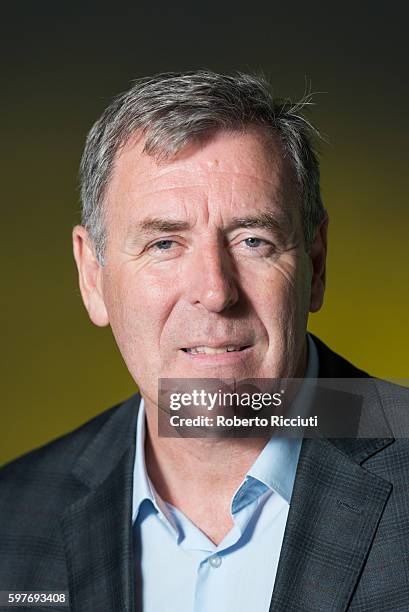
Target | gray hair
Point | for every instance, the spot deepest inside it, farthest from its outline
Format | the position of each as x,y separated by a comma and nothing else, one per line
172,109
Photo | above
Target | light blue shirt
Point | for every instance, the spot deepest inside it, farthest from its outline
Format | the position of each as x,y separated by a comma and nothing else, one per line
181,570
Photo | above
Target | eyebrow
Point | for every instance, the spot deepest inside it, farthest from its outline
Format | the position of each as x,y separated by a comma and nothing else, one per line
275,222
152,225
278,222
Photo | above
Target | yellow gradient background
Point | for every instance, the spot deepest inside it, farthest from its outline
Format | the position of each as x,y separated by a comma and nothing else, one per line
60,72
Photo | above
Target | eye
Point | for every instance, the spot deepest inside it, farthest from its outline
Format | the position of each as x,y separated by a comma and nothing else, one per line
165,248
162,245
256,247
254,242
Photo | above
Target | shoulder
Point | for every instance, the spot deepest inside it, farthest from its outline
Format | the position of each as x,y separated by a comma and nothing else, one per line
47,469
384,405
37,488
394,399
391,392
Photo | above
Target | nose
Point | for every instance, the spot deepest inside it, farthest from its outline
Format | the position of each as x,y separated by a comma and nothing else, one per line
212,280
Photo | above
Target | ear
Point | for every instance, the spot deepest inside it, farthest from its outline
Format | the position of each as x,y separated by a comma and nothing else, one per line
318,256
90,276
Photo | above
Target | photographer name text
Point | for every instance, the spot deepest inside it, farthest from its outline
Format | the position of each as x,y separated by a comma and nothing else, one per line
235,421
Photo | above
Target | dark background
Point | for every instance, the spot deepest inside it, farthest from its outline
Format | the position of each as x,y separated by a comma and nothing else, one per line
61,63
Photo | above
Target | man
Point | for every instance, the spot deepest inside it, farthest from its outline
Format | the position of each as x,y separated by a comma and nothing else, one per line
203,246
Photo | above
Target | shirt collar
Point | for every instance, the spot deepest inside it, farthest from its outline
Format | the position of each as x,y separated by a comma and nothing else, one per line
275,467
142,487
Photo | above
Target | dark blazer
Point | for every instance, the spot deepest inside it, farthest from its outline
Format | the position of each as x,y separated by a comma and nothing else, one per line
65,516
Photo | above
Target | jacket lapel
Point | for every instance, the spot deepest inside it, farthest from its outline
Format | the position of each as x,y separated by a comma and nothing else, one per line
97,527
335,509
334,513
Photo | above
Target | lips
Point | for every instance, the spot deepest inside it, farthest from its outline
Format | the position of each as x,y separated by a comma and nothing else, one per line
214,350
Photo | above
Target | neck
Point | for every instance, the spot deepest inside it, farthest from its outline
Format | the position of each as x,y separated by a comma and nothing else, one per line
200,476
176,465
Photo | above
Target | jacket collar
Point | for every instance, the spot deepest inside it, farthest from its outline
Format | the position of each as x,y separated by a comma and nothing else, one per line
332,365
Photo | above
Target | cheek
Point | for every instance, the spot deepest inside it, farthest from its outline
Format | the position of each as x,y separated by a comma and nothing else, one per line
138,308
293,283
277,293
281,303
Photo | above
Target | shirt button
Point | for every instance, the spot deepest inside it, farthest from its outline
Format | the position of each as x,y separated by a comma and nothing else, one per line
215,561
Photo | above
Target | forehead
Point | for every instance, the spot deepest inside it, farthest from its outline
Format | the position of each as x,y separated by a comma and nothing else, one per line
239,169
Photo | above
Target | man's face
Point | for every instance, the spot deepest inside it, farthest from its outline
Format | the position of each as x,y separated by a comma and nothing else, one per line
205,252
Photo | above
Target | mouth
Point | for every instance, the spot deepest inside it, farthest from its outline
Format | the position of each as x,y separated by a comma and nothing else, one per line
211,350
